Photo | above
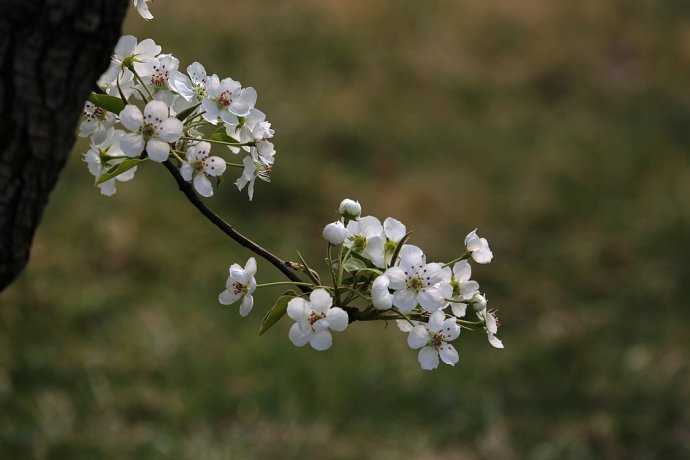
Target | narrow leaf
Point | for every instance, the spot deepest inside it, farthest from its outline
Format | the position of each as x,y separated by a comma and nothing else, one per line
110,103
119,168
311,273
276,312
182,116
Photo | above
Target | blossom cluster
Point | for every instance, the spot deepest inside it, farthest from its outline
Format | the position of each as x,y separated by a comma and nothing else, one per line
148,109
378,275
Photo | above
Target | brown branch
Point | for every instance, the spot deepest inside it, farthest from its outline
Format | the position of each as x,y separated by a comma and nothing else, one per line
229,230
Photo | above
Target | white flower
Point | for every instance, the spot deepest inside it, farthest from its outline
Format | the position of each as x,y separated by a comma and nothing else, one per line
108,82
140,55
478,302
478,247
101,157
96,123
153,131
143,8
366,239
162,67
393,232
241,284
192,87
200,165
314,320
253,127
252,170
433,340
491,326
464,288
226,99
381,297
350,209
335,233
417,282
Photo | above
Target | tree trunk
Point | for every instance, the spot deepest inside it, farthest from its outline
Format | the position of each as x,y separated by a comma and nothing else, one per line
51,54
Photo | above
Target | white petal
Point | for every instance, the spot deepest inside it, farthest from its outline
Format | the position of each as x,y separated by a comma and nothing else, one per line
132,144
337,319
394,229
131,117
483,256
404,325
405,299
375,251
227,297
321,341
250,266
418,337
147,49
197,72
297,336
432,299
459,309
370,226
472,242
396,276
320,300
125,46
448,354
462,270
170,130
108,188
296,309
156,111
436,321
246,305
203,185
495,341
428,358
214,166
186,171
181,84
450,330
158,151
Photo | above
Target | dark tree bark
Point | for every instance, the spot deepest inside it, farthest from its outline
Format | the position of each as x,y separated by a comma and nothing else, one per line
51,54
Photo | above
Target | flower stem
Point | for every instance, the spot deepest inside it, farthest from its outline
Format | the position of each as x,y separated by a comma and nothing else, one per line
457,259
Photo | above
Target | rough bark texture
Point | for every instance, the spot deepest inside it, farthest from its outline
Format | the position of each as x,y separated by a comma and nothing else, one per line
51,54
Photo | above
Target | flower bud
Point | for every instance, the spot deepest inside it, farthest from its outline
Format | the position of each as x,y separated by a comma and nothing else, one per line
479,302
381,298
335,233
350,209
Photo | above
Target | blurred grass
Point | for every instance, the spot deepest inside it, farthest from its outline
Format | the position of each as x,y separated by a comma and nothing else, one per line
560,129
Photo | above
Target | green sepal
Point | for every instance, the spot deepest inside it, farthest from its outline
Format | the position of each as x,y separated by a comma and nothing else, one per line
276,312
110,103
119,168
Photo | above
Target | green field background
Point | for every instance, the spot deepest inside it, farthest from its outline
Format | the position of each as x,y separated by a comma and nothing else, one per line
561,129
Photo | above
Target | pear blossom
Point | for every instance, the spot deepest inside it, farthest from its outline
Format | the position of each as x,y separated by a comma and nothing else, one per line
416,282
143,8
432,341
241,284
96,123
478,248
162,67
491,326
381,298
192,86
366,239
199,166
315,319
153,131
464,288
103,156
479,302
116,81
253,127
350,209
130,53
253,169
226,99
393,231
335,233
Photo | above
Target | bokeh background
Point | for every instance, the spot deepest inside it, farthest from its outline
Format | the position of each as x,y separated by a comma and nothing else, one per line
561,129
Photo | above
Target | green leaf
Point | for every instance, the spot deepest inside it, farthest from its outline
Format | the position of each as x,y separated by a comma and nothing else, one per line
353,264
276,312
396,253
220,135
110,103
182,116
119,168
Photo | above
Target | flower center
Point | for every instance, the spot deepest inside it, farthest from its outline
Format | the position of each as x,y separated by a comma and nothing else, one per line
148,131
225,98
436,340
416,283
160,75
359,243
314,317
239,288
